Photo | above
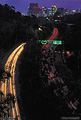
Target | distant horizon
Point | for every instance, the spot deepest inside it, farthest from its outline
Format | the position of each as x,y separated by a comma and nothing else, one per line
22,5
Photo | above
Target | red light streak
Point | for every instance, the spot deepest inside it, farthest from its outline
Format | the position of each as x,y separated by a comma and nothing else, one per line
72,105
68,104
52,37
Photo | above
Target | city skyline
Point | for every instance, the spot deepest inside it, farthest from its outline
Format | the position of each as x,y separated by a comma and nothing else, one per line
22,5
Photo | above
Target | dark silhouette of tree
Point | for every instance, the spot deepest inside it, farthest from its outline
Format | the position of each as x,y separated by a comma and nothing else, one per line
13,7
1,10
6,103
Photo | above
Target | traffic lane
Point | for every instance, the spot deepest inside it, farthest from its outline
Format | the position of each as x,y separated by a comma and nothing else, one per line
57,80
7,64
9,84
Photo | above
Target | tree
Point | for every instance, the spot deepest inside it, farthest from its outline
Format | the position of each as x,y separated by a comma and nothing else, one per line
6,103
16,118
13,7
1,95
10,99
3,107
1,10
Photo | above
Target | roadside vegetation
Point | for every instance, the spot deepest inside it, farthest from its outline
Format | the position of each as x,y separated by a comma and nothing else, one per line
6,103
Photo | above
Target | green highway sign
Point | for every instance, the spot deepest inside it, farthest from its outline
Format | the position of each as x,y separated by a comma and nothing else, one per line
56,42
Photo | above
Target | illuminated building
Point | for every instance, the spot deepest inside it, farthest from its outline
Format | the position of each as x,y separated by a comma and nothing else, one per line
78,10
61,11
54,9
64,11
33,9
73,11
44,9
67,11
49,11
40,12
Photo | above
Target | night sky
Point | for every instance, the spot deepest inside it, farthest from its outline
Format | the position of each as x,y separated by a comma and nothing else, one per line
22,5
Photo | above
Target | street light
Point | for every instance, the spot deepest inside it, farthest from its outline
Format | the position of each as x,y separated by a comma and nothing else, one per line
40,29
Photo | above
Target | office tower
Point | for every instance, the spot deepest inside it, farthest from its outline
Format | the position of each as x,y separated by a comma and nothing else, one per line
40,12
64,11
61,11
54,9
73,11
49,11
32,5
78,10
67,11
44,9
33,9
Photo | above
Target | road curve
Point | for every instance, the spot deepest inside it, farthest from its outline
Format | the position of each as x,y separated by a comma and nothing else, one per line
9,85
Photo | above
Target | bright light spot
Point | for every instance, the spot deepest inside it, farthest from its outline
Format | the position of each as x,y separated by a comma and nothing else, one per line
40,29
67,52
74,11
56,20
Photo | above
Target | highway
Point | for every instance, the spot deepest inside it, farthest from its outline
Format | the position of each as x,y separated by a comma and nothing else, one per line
48,68
9,85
